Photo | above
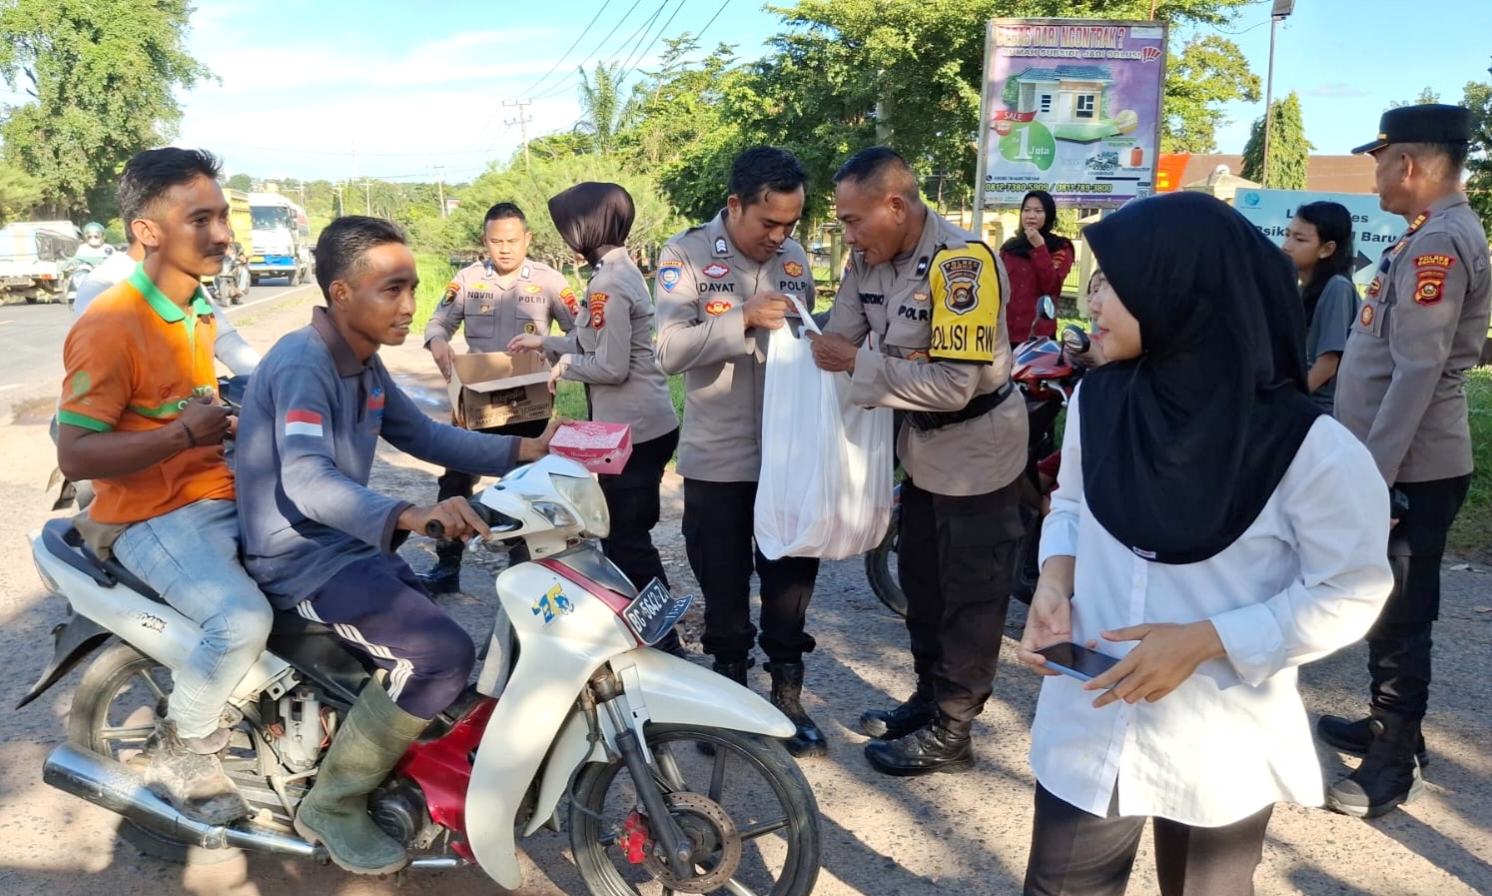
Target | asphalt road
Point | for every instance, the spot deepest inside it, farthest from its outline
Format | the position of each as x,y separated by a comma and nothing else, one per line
31,339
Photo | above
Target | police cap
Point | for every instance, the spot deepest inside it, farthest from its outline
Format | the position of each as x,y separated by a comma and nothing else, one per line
1428,123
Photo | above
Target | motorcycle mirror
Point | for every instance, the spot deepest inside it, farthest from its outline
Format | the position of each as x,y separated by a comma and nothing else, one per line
1075,340
1046,309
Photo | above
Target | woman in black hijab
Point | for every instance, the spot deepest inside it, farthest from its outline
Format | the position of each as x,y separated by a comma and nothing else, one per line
1210,532
611,352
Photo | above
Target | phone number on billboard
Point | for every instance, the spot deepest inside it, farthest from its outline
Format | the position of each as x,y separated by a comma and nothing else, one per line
1023,186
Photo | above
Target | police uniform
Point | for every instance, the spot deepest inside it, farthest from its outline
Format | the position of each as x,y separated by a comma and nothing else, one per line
491,314
938,317
703,283
1402,390
611,352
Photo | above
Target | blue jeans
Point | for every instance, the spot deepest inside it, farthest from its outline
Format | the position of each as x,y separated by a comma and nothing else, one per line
190,557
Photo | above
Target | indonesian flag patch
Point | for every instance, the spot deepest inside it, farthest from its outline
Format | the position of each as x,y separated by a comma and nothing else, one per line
303,423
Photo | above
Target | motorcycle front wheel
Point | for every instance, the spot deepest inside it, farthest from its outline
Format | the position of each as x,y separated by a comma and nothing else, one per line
113,713
746,808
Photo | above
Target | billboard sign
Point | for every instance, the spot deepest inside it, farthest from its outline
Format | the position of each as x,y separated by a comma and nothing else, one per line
1071,106
1373,229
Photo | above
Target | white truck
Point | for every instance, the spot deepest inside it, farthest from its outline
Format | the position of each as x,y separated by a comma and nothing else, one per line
31,254
281,236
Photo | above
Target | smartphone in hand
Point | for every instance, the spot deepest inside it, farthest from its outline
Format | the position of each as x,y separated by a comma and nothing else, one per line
1077,661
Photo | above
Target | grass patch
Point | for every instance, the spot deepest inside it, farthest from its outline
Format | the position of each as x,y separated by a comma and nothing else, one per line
1468,536
435,275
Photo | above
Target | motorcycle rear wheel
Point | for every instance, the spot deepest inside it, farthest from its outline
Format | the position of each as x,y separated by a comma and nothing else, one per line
771,836
881,568
114,710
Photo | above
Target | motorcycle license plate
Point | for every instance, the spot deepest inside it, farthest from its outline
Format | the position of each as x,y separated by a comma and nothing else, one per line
654,611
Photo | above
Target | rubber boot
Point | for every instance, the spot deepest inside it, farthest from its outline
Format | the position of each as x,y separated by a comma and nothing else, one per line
445,576
943,746
370,741
1354,737
187,773
735,671
787,695
1388,776
893,724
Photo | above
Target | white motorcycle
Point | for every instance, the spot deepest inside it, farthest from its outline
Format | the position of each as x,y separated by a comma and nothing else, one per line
676,781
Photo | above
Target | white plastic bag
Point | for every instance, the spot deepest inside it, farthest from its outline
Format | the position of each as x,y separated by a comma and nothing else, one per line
825,485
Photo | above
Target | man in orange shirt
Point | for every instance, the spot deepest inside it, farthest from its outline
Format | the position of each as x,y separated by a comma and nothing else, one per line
140,416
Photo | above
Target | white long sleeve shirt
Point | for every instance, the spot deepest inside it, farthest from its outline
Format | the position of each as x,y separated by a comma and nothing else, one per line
1307,578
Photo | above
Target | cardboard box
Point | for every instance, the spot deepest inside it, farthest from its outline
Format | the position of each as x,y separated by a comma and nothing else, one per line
599,447
496,388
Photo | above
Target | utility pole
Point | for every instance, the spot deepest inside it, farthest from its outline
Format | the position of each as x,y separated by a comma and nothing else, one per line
441,187
367,197
522,122
1282,8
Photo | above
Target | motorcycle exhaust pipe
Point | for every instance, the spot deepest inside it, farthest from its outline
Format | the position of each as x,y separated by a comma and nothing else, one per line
119,789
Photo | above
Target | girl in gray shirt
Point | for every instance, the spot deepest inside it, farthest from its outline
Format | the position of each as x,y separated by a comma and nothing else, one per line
1319,241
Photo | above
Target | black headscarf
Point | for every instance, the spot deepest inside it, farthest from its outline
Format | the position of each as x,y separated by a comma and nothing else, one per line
1019,245
593,218
1183,446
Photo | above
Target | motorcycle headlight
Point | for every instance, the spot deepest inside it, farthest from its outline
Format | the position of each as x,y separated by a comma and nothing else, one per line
558,516
585,493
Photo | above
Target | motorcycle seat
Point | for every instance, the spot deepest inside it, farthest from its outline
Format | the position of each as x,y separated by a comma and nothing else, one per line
65,542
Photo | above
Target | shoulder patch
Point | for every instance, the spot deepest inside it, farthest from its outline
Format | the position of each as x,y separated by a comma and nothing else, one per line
598,309
669,274
452,291
567,295
966,304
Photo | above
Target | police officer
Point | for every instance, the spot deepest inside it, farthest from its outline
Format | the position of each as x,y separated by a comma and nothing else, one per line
1401,389
722,292
933,297
494,300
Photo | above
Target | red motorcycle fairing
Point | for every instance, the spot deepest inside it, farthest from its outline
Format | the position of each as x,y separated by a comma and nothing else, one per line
442,769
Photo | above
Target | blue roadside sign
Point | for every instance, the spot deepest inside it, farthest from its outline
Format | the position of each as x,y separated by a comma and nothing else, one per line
1373,229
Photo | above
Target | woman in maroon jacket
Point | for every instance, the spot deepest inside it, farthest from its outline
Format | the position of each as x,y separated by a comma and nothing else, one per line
1037,261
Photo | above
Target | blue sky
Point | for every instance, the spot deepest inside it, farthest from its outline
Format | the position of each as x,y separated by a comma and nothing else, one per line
334,88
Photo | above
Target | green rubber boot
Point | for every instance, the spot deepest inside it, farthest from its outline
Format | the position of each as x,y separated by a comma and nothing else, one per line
371,740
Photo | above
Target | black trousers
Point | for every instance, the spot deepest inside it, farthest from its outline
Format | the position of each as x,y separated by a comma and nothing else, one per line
1074,853
632,500
957,561
719,521
1399,642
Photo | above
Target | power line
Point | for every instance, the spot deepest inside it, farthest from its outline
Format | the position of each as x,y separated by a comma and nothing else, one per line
635,61
563,56
712,20
595,51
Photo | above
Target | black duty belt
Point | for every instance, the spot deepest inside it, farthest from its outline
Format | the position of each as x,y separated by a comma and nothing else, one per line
925,421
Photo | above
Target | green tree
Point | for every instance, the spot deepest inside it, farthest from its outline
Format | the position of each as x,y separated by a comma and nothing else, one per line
1478,98
241,182
19,194
1208,72
531,189
1289,150
602,106
1428,95
101,77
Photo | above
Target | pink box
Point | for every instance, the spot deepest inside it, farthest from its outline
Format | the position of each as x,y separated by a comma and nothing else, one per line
599,447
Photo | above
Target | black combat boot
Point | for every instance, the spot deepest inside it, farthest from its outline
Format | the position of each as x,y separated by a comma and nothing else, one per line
1389,774
787,694
942,746
445,577
891,724
1354,737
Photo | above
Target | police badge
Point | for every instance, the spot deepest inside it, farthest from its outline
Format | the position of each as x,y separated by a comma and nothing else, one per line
962,275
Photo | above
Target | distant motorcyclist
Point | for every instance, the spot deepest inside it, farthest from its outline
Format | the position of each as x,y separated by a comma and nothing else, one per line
92,252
